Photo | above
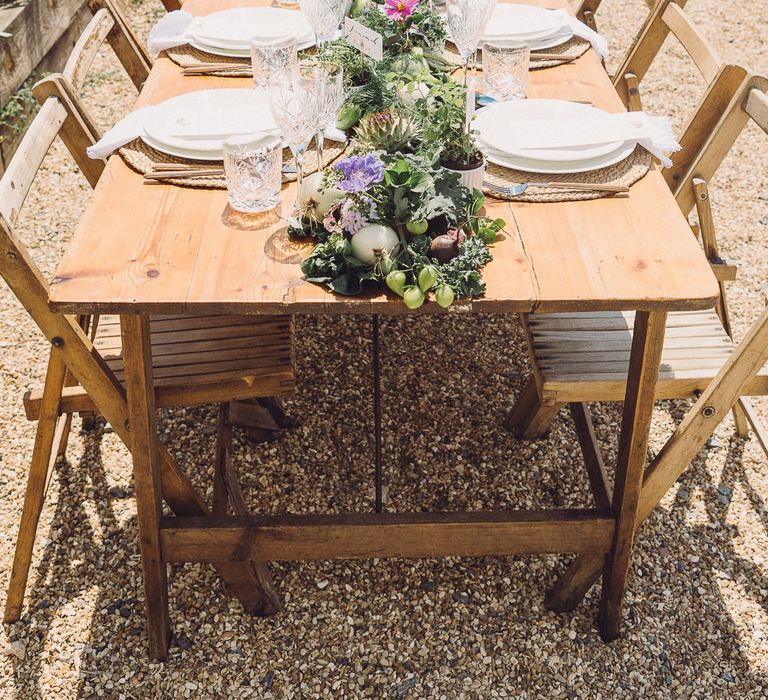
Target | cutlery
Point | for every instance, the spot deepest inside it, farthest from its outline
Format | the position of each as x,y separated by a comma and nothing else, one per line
517,190
204,68
553,57
164,171
180,174
485,100
158,167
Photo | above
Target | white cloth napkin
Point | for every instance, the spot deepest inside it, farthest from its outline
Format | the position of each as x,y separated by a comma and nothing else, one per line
170,31
655,134
131,127
128,128
598,41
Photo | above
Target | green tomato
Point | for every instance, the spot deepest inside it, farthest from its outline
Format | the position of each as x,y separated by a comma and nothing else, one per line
396,282
417,227
444,296
487,234
413,297
427,277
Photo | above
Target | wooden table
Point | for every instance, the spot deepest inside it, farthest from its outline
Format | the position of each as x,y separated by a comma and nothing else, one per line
145,249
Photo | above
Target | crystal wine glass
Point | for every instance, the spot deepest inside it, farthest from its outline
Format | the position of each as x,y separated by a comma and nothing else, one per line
272,58
467,20
324,16
296,102
332,101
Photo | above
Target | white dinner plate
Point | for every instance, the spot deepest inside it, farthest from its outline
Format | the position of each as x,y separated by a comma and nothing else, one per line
231,30
495,125
559,168
302,43
212,156
195,124
523,22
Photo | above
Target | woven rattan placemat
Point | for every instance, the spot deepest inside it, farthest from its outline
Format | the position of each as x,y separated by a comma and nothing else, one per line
186,56
625,172
142,157
573,48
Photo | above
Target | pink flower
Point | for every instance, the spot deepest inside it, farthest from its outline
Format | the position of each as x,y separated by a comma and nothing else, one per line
400,10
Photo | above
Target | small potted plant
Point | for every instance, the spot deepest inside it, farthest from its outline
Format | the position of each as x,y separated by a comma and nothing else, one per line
444,119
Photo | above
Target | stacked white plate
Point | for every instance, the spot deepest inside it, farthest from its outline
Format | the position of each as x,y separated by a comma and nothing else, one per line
228,33
194,125
528,25
548,120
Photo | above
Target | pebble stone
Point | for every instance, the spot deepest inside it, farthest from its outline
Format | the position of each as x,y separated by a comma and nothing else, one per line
695,622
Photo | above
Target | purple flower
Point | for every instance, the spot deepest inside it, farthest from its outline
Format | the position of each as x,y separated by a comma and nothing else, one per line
331,223
359,172
350,217
400,10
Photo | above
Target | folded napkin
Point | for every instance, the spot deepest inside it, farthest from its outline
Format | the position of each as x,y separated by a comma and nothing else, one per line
598,41
170,31
655,134
579,29
131,127
175,29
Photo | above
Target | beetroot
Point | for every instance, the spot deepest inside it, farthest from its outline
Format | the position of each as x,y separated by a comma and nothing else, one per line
445,247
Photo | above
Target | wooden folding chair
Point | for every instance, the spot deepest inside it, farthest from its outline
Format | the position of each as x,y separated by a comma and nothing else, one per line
198,359
699,360
582,357
723,79
549,335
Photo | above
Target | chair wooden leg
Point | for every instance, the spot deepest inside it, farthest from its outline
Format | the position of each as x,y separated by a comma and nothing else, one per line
531,416
223,454
761,433
644,361
43,458
274,404
590,450
740,421
229,490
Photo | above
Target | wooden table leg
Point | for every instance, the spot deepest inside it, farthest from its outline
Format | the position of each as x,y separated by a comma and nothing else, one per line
139,385
647,344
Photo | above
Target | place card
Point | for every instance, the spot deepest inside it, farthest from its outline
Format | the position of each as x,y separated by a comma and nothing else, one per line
371,43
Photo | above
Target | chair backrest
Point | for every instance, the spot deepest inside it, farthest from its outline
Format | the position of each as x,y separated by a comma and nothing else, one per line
749,103
25,163
78,130
723,80
108,24
586,12
28,283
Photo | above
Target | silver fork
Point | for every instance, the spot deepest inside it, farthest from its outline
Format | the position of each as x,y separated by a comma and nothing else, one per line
517,190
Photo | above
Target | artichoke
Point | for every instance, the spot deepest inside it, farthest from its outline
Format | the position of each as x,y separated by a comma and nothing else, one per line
388,130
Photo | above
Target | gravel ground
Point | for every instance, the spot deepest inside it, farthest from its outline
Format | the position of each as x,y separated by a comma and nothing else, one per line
696,621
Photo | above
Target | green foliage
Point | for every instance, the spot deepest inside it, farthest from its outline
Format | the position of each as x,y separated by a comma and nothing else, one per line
358,68
423,29
443,116
20,107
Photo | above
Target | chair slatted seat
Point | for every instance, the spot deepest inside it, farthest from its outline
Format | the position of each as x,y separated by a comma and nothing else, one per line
582,357
586,358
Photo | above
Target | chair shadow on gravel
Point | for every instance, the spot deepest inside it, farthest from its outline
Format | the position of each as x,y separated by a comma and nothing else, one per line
70,562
